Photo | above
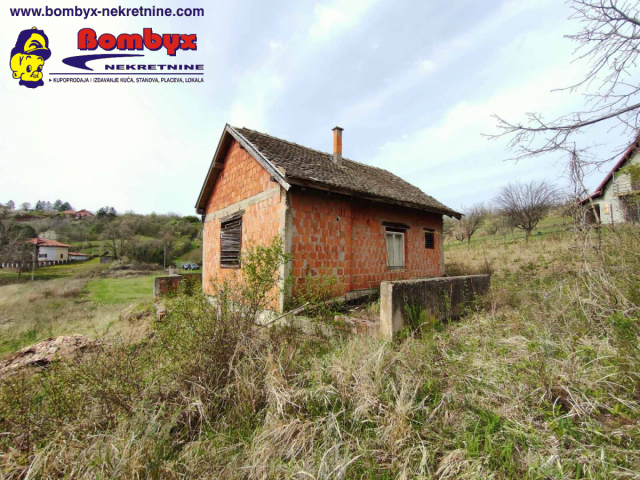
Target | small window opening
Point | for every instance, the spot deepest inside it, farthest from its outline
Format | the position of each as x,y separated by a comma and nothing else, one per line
429,239
230,243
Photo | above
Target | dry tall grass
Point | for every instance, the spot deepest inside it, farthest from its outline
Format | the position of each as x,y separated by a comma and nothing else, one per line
543,384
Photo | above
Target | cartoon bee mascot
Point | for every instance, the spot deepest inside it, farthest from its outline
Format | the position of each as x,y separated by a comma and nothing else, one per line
28,57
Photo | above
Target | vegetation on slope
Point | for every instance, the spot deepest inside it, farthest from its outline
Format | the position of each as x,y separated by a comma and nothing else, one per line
543,383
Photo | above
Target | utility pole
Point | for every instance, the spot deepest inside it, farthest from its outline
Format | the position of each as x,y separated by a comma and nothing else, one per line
33,262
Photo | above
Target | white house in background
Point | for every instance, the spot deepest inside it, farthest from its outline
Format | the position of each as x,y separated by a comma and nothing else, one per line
616,198
50,250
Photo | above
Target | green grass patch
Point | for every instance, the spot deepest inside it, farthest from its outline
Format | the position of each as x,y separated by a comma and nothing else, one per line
120,290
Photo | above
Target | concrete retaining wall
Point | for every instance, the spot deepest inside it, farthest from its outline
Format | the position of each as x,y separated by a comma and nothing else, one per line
441,296
166,285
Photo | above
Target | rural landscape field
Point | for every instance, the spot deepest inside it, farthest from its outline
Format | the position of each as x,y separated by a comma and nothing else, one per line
537,380
329,240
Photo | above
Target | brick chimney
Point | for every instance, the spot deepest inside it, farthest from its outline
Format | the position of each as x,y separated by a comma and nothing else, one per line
337,145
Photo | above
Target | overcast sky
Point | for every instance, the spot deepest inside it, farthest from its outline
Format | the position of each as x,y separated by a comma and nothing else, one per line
413,83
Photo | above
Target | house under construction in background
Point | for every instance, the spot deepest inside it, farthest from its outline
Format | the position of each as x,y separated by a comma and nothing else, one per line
617,198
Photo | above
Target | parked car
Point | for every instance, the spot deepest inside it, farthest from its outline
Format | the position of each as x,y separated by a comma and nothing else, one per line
191,266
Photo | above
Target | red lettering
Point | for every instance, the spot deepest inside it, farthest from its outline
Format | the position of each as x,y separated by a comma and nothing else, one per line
171,43
130,42
152,41
189,42
107,41
87,39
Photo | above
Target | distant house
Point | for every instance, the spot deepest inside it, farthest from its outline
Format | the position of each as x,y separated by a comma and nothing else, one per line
357,223
50,250
80,214
616,198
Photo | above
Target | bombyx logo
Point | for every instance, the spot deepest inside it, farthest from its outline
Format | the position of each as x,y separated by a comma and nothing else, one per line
32,50
151,41
28,57
88,39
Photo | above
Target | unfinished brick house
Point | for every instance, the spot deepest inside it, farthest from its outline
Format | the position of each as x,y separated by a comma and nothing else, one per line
337,217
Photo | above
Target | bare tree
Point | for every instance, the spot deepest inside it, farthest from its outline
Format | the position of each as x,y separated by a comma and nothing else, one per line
14,247
525,204
610,42
448,227
472,219
117,235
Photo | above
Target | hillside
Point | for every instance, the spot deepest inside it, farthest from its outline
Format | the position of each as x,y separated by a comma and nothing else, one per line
152,238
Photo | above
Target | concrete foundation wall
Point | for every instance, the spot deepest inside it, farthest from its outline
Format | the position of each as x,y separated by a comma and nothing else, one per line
441,296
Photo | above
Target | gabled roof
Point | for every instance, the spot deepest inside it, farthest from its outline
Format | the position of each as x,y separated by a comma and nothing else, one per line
625,156
43,242
84,211
293,164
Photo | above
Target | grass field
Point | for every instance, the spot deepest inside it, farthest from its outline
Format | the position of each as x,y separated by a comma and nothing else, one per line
66,299
109,291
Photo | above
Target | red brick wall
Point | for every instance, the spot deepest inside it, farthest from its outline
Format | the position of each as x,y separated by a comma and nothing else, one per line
331,234
241,178
345,238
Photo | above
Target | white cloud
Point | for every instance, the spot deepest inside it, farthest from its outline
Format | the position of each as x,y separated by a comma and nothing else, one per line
425,66
258,93
275,44
334,18
375,46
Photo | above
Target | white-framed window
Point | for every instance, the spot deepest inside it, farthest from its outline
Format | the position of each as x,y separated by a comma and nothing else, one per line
42,255
395,248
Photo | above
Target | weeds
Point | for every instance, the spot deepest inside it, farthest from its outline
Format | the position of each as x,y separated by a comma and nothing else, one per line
544,384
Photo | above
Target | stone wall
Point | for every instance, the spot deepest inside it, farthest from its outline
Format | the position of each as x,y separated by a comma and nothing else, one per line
442,297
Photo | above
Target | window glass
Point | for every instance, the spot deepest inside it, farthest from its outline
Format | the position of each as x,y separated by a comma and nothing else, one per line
395,249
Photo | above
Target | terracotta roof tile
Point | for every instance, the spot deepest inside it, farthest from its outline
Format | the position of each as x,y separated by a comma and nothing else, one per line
43,242
304,163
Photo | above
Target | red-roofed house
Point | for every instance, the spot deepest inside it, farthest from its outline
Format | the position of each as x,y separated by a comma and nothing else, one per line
83,214
616,198
50,250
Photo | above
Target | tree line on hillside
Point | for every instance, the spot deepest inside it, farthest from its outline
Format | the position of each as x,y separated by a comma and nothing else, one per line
517,206
151,238
40,206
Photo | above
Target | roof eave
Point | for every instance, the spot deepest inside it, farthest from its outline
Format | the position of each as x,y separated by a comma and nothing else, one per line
225,141
373,198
